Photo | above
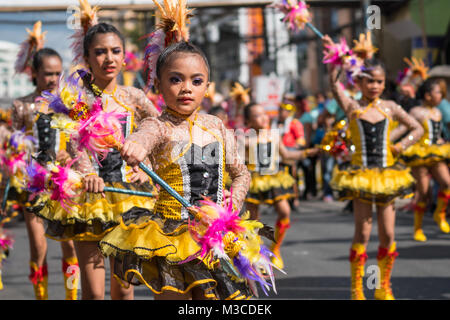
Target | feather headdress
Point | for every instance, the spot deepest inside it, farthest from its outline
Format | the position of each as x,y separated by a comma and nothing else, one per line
29,47
364,48
240,94
174,16
88,18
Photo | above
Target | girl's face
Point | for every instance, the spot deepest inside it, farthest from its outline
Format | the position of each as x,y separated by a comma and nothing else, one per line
106,56
47,76
258,118
434,97
373,87
183,82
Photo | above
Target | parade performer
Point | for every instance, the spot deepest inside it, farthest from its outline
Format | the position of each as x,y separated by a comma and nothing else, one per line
372,176
271,181
292,137
45,66
173,250
429,156
92,215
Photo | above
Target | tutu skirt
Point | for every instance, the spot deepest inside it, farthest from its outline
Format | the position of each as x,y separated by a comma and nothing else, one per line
269,189
425,155
379,185
152,250
92,215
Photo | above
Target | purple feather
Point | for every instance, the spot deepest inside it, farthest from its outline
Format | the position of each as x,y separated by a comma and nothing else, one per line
247,271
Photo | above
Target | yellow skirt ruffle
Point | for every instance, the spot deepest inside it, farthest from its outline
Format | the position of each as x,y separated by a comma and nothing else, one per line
269,189
92,215
378,185
425,155
161,254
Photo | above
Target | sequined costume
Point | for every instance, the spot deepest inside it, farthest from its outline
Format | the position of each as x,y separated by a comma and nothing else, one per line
430,148
373,175
271,179
151,247
24,113
94,215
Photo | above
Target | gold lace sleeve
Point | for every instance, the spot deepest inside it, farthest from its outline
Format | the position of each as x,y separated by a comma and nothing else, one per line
18,115
236,168
144,107
414,127
345,102
150,133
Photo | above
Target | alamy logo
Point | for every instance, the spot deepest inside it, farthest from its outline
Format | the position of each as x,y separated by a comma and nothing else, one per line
373,279
373,17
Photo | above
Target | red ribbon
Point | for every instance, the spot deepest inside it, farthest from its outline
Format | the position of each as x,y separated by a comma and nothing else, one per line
38,275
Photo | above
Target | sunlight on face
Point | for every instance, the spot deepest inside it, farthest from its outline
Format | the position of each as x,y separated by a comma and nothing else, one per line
258,118
106,56
372,87
184,81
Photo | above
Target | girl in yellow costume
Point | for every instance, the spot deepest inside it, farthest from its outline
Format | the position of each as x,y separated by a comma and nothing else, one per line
271,182
372,176
45,66
95,215
190,152
429,156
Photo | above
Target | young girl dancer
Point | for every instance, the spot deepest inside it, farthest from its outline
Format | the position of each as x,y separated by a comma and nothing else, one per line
190,152
372,176
271,182
94,215
428,157
45,66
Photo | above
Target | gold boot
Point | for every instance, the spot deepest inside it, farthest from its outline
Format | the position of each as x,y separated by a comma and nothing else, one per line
1,282
386,260
441,211
280,232
358,257
39,278
419,211
71,273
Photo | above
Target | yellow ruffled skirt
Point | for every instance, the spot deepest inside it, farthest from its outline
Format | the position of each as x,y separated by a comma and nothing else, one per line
425,155
152,250
269,189
92,215
374,185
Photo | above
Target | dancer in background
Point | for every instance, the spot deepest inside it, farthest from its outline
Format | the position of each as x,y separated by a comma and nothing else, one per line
372,176
45,67
272,182
428,157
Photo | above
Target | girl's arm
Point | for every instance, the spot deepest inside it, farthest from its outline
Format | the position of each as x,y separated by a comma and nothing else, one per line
150,133
413,126
296,154
235,166
17,115
83,164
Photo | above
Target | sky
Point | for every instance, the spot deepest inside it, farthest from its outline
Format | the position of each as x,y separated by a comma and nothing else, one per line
13,27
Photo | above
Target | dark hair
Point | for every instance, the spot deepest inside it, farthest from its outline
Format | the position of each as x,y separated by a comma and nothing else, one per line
216,110
101,28
426,87
179,47
38,59
248,109
373,63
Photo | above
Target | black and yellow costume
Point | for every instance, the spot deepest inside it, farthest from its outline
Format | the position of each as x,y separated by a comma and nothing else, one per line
372,174
155,247
93,214
427,151
271,180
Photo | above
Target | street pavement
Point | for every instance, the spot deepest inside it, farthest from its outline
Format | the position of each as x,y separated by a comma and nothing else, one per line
315,253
